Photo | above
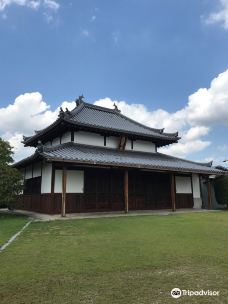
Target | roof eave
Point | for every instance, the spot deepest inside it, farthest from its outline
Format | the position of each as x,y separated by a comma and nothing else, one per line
30,141
116,165
34,157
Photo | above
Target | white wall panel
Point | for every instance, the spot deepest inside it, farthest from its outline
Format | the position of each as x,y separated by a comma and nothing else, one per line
46,178
183,184
196,191
75,181
28,172
88,138
128,145
37,170
58,181
112,142
56,141
143,146
66,137
196,185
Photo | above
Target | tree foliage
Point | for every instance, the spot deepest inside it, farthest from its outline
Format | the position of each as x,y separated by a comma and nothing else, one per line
221,190
10,178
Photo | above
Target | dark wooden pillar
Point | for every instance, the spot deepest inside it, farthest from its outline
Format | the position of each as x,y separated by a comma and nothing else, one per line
53,189
173,192
126,191
63,208
209,195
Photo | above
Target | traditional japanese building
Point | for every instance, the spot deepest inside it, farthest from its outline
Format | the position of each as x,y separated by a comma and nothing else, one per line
96,159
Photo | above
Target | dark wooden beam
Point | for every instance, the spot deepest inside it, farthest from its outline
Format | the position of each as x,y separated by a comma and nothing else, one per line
126,191
173,192
209,195
122,143
63,208
53,185
72,135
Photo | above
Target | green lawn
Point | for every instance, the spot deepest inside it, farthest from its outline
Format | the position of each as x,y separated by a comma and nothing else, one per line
130,260
9,225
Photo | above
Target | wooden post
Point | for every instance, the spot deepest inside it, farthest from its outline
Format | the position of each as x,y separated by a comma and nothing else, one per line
209,195
173,192
126,191
53,187
63,209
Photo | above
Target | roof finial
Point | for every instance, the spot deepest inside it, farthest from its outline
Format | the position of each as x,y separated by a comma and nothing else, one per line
61,112
79,100
67,111
115,107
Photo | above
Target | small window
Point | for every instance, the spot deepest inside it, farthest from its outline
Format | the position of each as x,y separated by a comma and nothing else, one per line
105,141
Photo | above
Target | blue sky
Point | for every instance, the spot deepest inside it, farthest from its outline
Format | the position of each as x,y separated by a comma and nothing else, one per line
151,52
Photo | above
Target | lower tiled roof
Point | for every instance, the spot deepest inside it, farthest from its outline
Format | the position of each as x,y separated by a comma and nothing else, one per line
82,154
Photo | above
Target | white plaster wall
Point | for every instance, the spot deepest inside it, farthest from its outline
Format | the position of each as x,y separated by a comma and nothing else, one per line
196,185
112,142
142,145
47,144
37,170
28,172
56,141
66,137
128,145
46,178
196,191
58,181
88,138
183,184
74,181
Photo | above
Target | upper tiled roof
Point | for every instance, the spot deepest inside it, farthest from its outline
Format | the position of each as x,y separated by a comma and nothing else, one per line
99,118
112,119
82,154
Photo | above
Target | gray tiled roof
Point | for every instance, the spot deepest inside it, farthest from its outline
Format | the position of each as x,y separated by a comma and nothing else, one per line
111,119
72,152
95,117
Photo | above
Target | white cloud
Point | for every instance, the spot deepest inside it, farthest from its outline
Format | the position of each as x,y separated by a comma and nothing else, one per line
205,108
220,16
51,4
93,18
29,112
210,106
116,37
195,132
191,141
85,33
184,148
20,151
33,4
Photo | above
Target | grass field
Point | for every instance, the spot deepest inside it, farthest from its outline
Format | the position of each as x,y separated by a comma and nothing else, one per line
117,260
9,225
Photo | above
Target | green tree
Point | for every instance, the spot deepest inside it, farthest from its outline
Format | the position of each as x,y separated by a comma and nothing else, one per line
221,189
10,178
